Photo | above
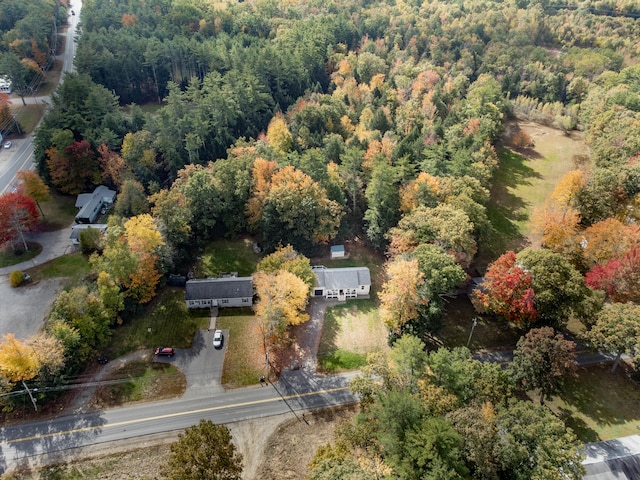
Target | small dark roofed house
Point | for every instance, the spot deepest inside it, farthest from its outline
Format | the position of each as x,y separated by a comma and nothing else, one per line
91,204
342,283
219,292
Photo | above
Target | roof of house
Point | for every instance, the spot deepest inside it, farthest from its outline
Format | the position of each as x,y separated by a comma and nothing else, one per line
100,194
617,459
216,288
337,248
76,229
347,277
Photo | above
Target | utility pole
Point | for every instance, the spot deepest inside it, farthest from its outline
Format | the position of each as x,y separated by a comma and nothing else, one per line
33,400
473,325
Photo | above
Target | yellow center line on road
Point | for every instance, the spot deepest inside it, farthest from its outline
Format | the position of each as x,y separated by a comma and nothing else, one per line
172,415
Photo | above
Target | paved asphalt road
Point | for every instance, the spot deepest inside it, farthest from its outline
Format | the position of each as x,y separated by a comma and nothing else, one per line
20,155
295,391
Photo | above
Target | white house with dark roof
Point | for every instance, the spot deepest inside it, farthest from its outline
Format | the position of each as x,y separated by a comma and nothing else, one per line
219,292
342,283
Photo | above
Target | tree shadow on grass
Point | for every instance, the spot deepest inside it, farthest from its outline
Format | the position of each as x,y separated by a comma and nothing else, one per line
608,400
505,209
583,431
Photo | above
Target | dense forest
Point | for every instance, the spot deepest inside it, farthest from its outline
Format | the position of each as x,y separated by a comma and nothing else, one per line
302,124
309,122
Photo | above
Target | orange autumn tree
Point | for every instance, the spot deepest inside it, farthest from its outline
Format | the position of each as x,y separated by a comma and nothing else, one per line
6,117
262,173
557,221
112,166
609,239
558,226
130,258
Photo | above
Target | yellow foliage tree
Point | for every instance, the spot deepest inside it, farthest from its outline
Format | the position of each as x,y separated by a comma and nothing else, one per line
279,136
425,186
400,299
21,361
558,225
282,299
568,186
142,234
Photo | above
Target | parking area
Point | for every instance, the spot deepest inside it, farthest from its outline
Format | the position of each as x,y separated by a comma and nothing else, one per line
201,364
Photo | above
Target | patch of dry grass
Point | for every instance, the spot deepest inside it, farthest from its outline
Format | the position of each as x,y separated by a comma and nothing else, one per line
350,331
244,360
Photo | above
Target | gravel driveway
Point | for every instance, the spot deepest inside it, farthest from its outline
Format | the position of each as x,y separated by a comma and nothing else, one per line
24,309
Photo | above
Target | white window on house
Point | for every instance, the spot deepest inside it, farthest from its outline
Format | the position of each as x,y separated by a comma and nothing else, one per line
225,300
245,300
361,287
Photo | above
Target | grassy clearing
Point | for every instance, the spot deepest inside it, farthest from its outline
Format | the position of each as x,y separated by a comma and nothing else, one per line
150,108
59,212
228,256
9,256
350,332
599,406
27,116
137,381
523,182
244,358
165,321
74,266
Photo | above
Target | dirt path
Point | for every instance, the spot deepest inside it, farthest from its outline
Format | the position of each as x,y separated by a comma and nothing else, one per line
307,336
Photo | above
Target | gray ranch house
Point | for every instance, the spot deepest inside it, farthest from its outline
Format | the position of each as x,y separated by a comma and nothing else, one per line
91,205
342,283
219,292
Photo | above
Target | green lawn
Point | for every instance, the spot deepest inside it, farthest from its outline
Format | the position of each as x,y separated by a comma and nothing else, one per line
598,405
28,115
59,212
350,332
244,360
74,266
228,256
166,321
9,256
522,183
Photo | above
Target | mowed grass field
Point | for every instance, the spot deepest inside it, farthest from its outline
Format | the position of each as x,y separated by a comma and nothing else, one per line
523,182
350,332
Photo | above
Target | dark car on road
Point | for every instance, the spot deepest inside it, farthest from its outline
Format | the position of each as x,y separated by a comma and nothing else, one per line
164,351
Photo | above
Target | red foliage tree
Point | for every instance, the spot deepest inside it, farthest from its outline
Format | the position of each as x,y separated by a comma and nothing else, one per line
17,214
618,278
507,291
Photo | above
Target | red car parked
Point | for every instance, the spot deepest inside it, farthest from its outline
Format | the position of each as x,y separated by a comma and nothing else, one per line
166,351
